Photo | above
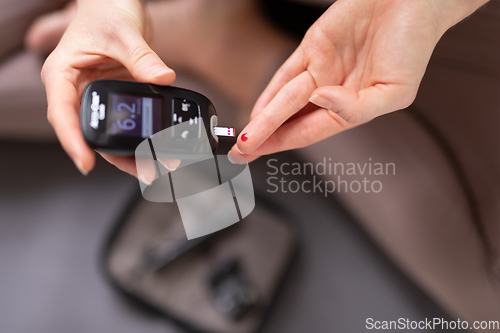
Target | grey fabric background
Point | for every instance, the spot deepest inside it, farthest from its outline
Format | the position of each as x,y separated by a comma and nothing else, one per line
53,223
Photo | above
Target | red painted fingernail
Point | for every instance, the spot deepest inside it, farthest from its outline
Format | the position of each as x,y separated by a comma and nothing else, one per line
244,137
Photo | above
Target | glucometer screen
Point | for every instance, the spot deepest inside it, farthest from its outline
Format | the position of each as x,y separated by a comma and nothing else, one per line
136,116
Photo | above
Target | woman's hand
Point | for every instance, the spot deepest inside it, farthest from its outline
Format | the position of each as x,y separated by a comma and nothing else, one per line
360,60
106,39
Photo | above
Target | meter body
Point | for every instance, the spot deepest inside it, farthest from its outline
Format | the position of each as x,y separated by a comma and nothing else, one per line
116,116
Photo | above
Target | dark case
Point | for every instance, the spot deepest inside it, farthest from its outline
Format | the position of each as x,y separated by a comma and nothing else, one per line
257,252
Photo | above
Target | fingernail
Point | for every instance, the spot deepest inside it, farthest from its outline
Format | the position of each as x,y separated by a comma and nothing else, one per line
161,73
79,166
143,179
170,165
230,158
321,101
159,70
238,149
235,159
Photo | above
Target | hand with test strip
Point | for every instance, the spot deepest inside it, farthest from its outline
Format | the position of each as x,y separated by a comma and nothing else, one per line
361,59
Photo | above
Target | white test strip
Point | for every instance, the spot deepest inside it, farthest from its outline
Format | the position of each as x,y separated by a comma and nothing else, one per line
224,131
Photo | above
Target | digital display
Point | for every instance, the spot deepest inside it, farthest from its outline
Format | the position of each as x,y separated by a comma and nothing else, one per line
186,111
136,116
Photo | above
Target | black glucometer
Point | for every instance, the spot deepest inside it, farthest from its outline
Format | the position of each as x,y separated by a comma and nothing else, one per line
116,116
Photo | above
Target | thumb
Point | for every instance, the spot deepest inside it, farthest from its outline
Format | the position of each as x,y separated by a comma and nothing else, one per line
143,63
357,107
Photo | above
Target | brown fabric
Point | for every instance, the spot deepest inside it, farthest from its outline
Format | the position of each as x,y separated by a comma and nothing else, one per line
15,18
22,96
23,104
461,96
423,217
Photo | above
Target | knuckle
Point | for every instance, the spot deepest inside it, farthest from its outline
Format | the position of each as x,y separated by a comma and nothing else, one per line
353,118
268,120
140,53
43,73
293,95
284,73
46,68
42,76
297,92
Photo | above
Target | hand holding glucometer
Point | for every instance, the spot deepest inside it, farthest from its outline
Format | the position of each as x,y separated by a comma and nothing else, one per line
116,116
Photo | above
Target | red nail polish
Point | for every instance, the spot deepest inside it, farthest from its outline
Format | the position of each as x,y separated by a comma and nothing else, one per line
244,137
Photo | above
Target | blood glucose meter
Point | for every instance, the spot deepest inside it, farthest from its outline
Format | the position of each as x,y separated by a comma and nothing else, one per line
116,116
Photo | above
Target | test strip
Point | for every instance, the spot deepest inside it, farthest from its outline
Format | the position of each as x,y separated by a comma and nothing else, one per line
224,131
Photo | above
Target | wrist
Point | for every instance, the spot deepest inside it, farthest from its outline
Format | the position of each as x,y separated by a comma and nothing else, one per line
454,11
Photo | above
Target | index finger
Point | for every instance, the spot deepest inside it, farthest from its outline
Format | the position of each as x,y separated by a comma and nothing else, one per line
63,115
289,100
290,69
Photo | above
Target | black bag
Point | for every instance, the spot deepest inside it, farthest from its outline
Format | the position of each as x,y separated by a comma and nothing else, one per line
222,283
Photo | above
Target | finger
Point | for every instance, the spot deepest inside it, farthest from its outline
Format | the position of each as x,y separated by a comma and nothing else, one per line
292,68
62,113
288,101
141,61
366,104
301,132
170,164
142,168
125,164
236,158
